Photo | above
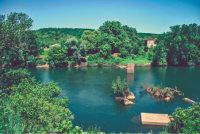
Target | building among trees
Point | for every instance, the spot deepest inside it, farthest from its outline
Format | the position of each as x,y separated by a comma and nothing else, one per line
150,42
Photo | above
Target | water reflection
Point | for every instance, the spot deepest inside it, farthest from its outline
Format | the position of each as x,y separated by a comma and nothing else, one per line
130,77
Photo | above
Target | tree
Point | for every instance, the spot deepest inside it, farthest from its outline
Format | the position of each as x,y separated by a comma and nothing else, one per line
160,55
16,39
181,44
33,107
89,37
131,32
185,120
58,56
116,31
75,51
124,53
120,87
105,51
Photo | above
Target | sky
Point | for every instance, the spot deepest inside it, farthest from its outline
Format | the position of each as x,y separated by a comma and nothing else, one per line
147,16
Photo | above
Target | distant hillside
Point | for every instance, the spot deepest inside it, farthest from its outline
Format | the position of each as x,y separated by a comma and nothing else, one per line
147,35
49,36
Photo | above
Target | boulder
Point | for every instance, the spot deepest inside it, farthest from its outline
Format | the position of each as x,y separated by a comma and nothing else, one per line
130,96
157,94
167,98
126,102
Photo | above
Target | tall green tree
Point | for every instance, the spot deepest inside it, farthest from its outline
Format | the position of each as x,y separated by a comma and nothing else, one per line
75,51
181,44
16,39
58,56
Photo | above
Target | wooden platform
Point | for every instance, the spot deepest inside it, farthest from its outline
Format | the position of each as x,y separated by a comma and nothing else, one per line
155,119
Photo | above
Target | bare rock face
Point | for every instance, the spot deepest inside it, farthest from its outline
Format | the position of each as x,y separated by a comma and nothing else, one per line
167,98
131,96
126,102
157,94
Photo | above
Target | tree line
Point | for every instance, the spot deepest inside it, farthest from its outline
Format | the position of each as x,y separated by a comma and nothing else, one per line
19,45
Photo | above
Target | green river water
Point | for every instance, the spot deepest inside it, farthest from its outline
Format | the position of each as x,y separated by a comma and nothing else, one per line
90,94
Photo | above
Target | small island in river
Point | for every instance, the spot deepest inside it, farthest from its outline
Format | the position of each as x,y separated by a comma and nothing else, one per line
162,93
122,92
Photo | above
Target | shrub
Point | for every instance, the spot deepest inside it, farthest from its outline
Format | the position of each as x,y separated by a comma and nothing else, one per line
90,58
146,48
120,87
46,60
141,51
123,53
40,62
51,64
58,55
116,60
31,61
135,47
185,120
134,57
105,51
33,107
150,55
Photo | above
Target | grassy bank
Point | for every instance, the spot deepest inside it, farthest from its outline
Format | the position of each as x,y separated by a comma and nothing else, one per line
141,61
45,52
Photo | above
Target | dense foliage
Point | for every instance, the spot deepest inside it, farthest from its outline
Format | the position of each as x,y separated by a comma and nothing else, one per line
50,36
75,51
57,56
120,87
30,106
185,120
179,46
17,42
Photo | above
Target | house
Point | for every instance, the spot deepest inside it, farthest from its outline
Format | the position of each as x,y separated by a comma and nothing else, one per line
150,42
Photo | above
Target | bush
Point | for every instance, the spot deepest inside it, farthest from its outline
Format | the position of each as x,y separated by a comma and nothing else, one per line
46,60
58,56
185,120
150,55
40,62
51,64
116,60
33,107
31,61
134,57
146,48
90,58
123,53
120,87
105,51
141,51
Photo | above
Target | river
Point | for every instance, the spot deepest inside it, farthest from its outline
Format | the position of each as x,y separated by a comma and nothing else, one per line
89,92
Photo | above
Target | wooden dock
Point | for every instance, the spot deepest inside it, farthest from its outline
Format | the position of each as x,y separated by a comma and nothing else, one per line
155,119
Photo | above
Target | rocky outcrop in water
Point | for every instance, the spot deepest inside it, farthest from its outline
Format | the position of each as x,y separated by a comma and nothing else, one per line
125,99
162,93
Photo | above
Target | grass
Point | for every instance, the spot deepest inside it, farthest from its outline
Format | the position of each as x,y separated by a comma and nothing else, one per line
45,53
139,61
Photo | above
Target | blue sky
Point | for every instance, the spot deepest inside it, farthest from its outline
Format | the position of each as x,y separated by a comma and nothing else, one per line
147,16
